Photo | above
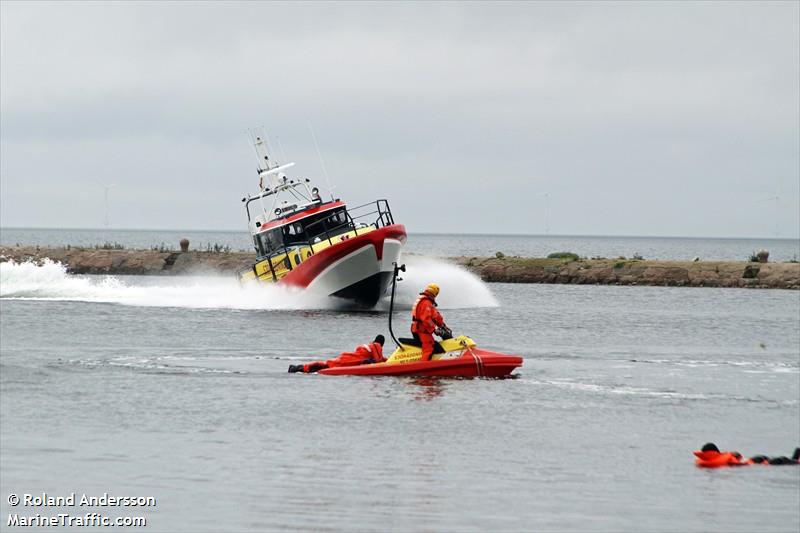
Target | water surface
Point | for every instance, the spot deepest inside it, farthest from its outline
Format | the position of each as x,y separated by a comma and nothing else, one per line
177,388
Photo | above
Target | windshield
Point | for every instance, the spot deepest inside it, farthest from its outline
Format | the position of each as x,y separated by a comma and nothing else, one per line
269,241
311,229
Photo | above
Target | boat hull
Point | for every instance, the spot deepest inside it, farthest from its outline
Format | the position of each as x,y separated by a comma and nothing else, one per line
472,363
358,269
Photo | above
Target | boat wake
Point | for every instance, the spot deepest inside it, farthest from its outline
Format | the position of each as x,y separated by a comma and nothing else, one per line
50,281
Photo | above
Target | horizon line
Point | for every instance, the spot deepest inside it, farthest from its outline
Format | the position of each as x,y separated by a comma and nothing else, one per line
477,234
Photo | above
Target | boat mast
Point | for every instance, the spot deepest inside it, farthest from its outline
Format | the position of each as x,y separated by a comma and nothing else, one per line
267,168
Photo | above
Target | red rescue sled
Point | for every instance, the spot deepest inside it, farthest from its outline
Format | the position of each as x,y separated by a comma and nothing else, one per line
472,363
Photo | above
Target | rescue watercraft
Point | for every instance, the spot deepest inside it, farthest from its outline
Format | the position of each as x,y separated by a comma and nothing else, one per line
452,357
304,241
460,357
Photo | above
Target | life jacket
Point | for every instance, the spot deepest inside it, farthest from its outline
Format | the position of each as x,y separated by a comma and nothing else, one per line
373,350
424,316
716,459
363,354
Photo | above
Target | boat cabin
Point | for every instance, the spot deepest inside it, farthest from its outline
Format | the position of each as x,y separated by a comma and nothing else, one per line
325,221
291,233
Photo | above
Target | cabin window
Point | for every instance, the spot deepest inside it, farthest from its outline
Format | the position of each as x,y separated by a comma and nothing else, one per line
316,227
338,223
269,241
295,229
338,218
294,233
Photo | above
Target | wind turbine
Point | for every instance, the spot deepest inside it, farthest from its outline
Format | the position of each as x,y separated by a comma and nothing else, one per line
775,199
546,205
107,187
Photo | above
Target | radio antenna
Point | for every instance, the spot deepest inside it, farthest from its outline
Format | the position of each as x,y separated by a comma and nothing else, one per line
321,161
280,147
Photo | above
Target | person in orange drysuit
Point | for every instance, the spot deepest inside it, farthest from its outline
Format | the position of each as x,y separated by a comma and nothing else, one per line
425,319
362,355
710,457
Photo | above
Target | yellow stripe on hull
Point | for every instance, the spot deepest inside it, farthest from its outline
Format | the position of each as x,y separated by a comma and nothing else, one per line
283,263
412,354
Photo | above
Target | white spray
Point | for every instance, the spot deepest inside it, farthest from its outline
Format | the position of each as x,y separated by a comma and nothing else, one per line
459,288
50,281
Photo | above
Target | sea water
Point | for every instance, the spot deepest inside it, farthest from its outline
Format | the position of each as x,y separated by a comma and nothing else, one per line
176,388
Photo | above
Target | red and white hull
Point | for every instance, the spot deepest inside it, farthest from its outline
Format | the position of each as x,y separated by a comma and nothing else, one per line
358,269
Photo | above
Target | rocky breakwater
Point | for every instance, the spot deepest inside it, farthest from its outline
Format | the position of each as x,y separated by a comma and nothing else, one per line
138,262
634,272
490,269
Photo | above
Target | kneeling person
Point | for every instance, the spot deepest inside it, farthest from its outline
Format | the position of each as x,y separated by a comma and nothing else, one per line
362,355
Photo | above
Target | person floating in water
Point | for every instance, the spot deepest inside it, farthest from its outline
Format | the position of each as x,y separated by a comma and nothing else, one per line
426,320
709,456
362,355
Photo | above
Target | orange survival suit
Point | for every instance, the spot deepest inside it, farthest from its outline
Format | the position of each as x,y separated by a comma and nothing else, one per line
425,318
716,459
711,457
363,354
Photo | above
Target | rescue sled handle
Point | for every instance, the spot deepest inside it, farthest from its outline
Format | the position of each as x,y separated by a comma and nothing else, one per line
397,269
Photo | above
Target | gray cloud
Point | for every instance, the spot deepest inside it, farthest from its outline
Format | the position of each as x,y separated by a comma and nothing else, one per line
636,118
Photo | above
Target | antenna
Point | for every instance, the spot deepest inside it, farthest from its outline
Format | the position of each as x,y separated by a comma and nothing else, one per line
280,146
321,161
107,187
267,167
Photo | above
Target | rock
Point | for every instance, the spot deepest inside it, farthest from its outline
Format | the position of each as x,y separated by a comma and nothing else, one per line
763,256
184,244
750,272
499,255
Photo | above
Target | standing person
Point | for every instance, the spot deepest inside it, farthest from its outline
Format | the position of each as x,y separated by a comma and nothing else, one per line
362,355
425,318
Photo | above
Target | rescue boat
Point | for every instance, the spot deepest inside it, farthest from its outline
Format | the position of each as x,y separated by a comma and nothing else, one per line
320,245
452,357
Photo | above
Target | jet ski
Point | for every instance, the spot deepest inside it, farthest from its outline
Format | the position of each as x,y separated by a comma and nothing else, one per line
452,357
459,357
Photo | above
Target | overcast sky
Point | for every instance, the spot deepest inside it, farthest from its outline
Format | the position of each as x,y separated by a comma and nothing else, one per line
634,118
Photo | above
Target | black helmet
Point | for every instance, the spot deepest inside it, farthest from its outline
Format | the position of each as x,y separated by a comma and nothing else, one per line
380,339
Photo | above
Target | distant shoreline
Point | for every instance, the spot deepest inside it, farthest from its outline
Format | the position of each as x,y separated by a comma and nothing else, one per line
620,271
423,233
